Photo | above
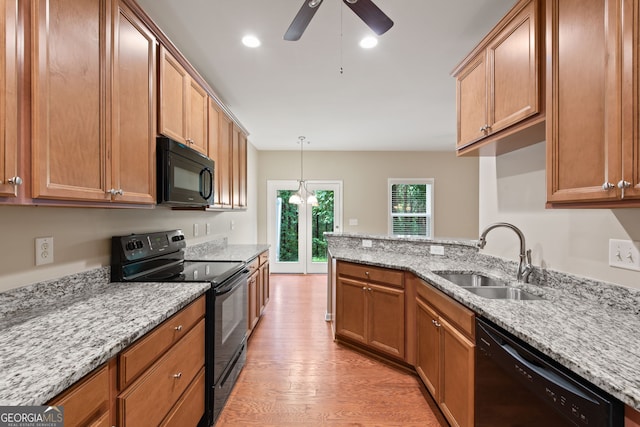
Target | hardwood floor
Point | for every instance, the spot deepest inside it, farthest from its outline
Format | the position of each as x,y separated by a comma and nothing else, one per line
296,375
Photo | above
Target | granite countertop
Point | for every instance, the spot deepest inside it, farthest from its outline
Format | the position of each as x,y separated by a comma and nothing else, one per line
594,334
206,252
53,335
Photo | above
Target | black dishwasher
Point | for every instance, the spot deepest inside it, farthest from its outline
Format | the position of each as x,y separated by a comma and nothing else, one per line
518,386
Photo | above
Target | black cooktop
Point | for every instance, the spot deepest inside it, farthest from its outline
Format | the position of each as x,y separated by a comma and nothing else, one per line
159,257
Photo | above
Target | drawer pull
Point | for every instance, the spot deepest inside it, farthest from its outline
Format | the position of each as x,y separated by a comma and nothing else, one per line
178,375
178,328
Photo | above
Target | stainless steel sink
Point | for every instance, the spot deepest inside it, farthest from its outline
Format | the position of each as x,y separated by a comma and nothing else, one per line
471,279
488,287
503,292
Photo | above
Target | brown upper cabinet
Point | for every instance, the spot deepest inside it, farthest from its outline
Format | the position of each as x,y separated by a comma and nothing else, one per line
220,131
498,86
593,94
183,105
10,179
239,169
93,112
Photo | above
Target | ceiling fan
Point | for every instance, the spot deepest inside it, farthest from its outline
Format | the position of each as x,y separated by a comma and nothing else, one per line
365,9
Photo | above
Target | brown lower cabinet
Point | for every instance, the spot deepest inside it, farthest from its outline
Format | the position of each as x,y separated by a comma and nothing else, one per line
370,307
257,289
445,352
158,380
401,317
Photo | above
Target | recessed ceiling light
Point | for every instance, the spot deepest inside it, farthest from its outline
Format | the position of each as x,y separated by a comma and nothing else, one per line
250,41
368,42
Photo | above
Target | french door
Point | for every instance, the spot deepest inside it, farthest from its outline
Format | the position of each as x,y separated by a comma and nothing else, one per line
295,232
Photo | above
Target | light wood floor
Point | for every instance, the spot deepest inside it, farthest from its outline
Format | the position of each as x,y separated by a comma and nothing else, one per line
297,376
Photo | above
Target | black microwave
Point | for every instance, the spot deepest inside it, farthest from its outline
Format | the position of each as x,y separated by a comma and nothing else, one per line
185,176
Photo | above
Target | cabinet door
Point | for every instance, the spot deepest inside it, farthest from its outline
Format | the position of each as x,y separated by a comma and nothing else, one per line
471,87
198,106
350,309
583,126
224,160
70,98
385,319
9,89
213,136
428,347
253,307
265,282
457,374
134,110
513,63
173,97
239,169
631,103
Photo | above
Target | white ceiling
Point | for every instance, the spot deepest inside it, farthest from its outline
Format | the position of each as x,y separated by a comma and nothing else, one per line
397,96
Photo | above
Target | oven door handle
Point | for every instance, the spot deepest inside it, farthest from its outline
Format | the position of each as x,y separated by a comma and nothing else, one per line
239,281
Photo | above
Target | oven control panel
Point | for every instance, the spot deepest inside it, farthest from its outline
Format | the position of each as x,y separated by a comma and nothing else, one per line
141,246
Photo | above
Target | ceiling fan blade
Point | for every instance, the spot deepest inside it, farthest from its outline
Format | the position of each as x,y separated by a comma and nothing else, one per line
371,15
302,19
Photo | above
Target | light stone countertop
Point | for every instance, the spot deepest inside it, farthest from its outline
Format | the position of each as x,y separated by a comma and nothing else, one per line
592,329
53,334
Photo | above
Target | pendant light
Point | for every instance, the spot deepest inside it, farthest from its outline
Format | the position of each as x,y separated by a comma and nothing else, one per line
298,197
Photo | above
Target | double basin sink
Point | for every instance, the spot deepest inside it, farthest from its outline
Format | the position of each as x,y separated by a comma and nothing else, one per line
488,287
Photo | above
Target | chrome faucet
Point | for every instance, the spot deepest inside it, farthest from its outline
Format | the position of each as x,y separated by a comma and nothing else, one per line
524,266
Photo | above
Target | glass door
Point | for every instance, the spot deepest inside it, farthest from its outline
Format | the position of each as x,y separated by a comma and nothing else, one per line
295,232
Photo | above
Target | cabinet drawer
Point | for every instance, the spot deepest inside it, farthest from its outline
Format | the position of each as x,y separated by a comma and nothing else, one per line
190,407
370,273
264,257
134,360
456,313
152,396
253,265
86,403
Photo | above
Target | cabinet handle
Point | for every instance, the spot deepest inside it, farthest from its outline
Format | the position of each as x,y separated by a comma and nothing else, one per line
15,180
435,322
178,375
608,186
623,184
485,128
178,328
114,192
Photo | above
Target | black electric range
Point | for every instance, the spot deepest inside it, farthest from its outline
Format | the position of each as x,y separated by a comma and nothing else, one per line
159,257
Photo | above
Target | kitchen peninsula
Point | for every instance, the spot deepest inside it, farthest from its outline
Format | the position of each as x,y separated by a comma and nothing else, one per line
589,327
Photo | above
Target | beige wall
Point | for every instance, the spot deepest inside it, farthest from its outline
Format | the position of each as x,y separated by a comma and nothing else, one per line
82,236
364,176
512,189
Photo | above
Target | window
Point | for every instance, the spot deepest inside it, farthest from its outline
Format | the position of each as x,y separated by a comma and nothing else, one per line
411,207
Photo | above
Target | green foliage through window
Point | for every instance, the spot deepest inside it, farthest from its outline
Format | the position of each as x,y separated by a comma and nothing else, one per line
410,209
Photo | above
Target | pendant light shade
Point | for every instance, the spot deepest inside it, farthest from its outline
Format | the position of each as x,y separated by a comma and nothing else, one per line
298,197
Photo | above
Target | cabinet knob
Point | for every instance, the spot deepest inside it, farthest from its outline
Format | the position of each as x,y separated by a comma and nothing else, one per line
485,128
114,192
608,186
178,375
364,288
623,184
178,328
369,289
15,180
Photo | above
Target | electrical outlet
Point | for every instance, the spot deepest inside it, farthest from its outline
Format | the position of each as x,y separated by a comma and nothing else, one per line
436,250
207,229
44,250
366,243
196,230
232,225
624,254
353,221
